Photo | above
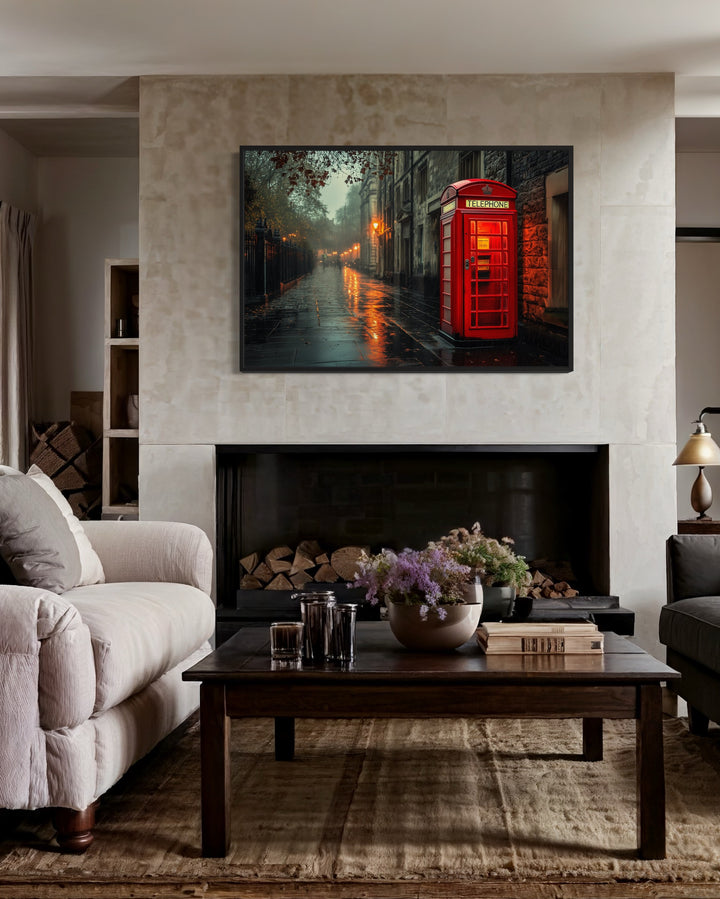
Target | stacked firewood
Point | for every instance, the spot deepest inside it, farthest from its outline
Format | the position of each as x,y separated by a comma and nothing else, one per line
72,456
545,587
290,568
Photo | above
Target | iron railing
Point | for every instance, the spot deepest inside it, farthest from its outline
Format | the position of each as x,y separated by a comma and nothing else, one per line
272,262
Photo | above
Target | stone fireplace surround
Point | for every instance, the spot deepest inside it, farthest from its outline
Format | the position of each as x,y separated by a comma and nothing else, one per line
620,394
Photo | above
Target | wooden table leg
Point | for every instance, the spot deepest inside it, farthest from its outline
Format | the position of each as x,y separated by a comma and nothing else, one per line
215,771
592,739
284,739
650,773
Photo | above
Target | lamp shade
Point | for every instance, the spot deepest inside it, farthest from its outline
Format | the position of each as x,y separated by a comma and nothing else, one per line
700,449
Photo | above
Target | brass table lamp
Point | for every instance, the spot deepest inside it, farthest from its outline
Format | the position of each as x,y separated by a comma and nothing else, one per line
701,450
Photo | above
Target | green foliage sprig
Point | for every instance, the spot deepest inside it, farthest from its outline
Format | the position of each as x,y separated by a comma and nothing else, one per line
493,561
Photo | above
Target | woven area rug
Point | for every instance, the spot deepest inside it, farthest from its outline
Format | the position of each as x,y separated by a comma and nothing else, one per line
401,801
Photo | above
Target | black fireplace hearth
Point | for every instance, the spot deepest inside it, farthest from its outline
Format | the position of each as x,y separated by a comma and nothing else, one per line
259,608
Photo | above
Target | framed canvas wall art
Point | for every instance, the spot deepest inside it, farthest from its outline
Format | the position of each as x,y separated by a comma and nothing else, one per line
406,259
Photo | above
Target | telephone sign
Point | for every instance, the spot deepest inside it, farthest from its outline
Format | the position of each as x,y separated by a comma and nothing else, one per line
478,246
487,204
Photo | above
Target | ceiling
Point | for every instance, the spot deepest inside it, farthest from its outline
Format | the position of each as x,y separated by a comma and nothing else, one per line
69,68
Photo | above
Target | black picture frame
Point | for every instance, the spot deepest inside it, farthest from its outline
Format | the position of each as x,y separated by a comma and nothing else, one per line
342,266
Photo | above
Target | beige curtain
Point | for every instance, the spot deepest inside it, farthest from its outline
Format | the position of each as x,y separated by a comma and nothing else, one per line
17,230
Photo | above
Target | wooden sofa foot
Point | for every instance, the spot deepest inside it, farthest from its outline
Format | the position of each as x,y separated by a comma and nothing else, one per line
74,828
697,722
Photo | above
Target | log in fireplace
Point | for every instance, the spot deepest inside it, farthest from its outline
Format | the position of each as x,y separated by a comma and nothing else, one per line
551,499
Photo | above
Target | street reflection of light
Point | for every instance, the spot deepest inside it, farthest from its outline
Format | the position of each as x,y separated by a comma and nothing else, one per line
367,303
376,326
352,289
374,317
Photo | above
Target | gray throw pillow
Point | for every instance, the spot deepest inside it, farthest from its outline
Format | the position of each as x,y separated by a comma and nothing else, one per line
35,539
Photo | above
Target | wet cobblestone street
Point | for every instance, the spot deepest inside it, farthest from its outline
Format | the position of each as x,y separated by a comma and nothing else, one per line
338,318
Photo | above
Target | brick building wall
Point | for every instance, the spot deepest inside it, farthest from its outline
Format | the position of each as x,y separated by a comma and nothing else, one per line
411,221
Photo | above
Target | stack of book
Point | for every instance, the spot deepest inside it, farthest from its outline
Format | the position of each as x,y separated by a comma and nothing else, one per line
540,637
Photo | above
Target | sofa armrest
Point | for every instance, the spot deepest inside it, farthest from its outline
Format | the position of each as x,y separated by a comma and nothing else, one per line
693,566
47,682
170,551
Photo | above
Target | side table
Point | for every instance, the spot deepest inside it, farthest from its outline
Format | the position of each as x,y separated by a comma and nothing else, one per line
698,526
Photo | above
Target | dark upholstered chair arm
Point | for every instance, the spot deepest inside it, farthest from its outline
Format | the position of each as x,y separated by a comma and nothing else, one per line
693,566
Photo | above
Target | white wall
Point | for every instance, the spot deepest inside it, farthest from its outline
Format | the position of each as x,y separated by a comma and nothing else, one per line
698,314
621,393
89,212
18,175
698,190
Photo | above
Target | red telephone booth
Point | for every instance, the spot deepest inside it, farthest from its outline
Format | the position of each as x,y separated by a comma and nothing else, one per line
478,240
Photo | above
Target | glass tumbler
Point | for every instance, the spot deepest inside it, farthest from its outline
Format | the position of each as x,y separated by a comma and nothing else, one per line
317,617
286,641
344,617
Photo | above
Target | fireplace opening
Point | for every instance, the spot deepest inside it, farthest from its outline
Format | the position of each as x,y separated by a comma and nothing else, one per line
551,499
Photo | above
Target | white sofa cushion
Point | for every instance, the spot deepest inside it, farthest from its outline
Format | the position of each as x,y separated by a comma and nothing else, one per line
91,570
140,630
130,730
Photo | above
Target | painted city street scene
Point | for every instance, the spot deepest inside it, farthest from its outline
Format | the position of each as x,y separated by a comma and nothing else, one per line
406,259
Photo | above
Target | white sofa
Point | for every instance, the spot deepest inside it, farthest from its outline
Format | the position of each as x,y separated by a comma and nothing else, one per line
90,677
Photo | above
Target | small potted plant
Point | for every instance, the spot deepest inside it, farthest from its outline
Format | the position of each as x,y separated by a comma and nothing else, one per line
503,573
424,594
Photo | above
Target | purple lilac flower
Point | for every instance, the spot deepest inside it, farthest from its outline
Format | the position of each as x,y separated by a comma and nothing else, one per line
429,578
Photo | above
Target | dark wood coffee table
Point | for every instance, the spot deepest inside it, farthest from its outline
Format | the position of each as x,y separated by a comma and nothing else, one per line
387,681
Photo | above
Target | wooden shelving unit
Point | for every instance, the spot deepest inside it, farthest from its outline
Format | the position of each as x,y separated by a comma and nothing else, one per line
122,344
